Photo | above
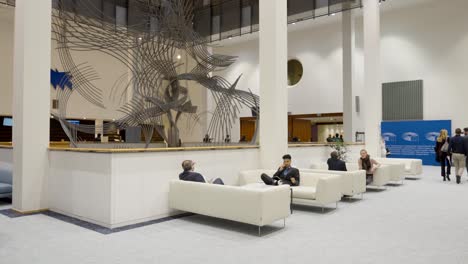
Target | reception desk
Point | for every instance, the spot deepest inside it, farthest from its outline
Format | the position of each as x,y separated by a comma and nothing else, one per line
119,187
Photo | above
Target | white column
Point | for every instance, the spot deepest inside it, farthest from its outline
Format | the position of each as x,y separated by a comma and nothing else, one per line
348,73
273,82
372,96
31,108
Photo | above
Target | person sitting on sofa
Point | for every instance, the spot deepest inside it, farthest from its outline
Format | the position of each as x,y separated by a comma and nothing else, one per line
189,175
284,175
369,165
334,163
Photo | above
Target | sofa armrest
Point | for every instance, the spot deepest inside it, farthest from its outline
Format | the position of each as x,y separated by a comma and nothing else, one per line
382,176
328,189
275,204
359,181
416,167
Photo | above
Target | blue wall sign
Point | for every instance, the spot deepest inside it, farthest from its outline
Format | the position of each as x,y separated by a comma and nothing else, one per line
413,139
60,79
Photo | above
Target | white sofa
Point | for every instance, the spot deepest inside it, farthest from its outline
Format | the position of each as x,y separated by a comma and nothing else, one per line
316,189
412,167
381,176
352,182
259,206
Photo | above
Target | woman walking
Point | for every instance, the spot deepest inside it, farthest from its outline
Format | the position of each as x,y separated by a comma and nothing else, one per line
443,155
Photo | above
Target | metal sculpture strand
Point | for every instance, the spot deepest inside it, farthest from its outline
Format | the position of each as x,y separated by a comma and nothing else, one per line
156,77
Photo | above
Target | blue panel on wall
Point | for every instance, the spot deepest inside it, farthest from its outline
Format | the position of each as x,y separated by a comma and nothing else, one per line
413,139
60,79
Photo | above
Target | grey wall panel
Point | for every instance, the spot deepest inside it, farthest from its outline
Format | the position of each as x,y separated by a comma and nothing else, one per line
402,100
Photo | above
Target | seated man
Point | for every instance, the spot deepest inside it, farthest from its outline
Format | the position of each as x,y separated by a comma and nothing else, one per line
334,163
189,175
285,174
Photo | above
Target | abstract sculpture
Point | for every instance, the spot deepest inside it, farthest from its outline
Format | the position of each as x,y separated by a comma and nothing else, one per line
155,76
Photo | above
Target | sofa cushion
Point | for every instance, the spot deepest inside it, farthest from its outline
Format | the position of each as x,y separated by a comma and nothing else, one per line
6,175
5,188
256,186
304,192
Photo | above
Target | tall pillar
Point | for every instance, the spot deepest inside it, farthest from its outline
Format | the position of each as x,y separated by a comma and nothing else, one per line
273,82
372,103
348,38
31,103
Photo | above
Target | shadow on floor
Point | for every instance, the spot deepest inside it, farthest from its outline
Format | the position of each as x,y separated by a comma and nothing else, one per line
374,189
352,199
218,223
314,209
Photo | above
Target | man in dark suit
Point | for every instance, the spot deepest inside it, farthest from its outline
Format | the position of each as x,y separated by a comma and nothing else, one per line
465,142
336,164
284,175
189,175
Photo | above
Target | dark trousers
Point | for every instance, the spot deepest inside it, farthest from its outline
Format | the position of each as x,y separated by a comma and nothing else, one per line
369,178
445,163
269,180
218,181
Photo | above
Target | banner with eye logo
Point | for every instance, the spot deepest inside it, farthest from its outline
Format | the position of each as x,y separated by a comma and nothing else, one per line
413,139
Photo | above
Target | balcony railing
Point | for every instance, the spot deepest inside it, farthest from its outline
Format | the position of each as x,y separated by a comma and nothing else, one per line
213,19
229,18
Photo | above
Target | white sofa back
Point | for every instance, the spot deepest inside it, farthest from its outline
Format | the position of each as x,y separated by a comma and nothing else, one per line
413,167
252,206
352,182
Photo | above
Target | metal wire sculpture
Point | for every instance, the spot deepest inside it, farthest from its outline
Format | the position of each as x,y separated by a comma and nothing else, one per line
155,76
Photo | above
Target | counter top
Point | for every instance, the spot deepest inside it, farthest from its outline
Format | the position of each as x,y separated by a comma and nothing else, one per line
138,150
65,147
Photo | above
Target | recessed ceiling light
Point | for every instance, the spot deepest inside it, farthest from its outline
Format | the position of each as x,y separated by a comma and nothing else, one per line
179,57
294,23
333,14
230,37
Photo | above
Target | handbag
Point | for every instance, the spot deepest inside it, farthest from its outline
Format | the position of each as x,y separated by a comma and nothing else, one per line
445,146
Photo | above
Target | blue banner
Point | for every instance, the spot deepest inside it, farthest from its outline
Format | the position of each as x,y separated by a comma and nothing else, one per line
413,139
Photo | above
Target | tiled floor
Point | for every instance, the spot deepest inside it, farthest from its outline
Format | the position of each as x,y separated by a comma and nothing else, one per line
423,221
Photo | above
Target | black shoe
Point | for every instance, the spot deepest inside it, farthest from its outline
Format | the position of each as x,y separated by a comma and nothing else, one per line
448,177
458,179
267,179
445,178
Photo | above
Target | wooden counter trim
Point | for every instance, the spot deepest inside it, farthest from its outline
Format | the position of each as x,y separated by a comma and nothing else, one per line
322,145
138,150
5,146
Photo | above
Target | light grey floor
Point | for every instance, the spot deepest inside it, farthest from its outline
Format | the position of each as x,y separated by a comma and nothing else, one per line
424,221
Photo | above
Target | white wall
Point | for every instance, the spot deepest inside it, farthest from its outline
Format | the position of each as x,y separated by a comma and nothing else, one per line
6,60
425,41
430,43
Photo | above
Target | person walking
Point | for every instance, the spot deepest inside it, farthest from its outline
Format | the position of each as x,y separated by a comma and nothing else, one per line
465,144
457,148
442,154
